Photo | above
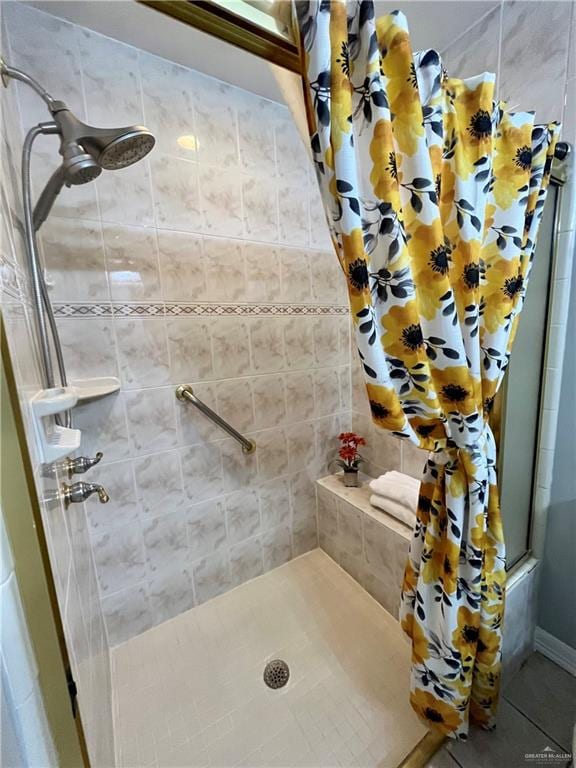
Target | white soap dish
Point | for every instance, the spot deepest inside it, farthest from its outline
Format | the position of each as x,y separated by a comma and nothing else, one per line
95,388
54,442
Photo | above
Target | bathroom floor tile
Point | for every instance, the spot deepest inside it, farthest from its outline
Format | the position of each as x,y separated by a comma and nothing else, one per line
442,759
546,694
190,692
506,747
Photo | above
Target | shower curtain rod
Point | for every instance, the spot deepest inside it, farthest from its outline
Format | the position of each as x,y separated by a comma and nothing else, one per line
226,25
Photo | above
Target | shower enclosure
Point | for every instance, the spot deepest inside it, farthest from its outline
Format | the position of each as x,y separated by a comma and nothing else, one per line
202,266
523,398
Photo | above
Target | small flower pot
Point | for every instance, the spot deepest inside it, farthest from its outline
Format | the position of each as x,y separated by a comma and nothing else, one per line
351,479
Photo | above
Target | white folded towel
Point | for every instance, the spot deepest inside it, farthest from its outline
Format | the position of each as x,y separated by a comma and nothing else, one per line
393,508
397,487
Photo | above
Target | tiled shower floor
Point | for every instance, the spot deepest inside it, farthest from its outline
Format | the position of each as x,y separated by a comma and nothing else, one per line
190,692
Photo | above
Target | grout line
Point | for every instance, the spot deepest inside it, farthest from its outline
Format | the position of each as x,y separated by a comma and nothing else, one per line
197,232
499,58
532,722
446,747
470,28
571,51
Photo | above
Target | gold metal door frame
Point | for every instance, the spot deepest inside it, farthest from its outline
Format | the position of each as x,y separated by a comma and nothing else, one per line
234,29
25,528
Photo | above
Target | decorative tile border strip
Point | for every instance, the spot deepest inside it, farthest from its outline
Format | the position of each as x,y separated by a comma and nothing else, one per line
82,310
255,309
175,309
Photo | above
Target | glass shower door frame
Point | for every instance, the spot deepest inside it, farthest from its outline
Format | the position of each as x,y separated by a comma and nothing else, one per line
498,421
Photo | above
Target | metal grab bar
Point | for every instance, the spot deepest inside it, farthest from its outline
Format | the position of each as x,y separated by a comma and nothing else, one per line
185,392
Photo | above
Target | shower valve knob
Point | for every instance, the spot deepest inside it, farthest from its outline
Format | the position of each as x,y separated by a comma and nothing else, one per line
81,464
78,492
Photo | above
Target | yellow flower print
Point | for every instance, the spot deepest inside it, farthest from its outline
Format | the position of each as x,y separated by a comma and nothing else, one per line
496,609
403,334
494,522
483,713
426,241
413,268
410,577
472,123
436,161
419,642
439,714
512,162
430,432
442,564
340,85
430,265
447,190
466,272
403,96
488,646
489,213
355,266
491,553
457,482
425,500
502,284
457,390
489,390
385,407
386,171
465,636
477,532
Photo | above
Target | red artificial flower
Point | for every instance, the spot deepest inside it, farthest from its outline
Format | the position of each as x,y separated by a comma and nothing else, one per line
348,453
351,438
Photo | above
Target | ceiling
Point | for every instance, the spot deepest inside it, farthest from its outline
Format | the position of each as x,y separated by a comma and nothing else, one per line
433,24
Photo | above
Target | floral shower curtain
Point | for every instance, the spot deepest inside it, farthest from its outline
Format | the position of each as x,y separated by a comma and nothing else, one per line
433,194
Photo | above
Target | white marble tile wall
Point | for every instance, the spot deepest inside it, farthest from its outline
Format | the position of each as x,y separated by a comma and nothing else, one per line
527,45
190,517
226,217
68,542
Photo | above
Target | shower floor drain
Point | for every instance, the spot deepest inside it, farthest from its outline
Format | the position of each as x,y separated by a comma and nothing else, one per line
276,673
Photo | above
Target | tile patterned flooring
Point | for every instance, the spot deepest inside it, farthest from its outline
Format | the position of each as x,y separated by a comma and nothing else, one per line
537,710
189,693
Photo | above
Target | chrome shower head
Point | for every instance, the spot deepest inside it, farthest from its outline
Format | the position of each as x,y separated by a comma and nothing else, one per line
78,166
128,146
86,151
111,148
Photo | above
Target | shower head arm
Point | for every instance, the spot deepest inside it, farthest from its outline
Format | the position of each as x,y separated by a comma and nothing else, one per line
7,72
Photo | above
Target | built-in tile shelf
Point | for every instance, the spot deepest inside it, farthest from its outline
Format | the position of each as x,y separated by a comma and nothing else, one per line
369,544
93,389
360,498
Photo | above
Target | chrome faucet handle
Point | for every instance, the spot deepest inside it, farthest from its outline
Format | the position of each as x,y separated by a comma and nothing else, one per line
81,464
77,492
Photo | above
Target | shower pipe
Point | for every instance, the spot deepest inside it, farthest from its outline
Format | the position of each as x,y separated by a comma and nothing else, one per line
39,291
85,151
185,392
